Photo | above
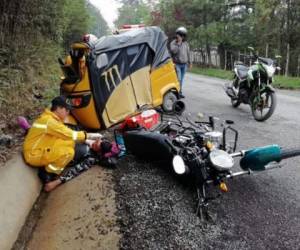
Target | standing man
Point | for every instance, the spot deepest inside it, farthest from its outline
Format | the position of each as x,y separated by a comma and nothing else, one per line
180,52
57,150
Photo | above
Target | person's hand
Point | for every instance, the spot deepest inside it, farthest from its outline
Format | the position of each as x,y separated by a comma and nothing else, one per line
190,66
93,136
89,142
96,146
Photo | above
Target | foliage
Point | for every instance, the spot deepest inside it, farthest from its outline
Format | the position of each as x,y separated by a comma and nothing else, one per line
231,26
98,25
279,82
76,21
219,73
33,33
133,12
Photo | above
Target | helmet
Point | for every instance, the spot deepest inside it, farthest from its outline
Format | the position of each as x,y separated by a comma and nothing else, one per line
181,31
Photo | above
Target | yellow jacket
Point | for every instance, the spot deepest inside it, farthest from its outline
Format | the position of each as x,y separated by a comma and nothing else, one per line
49,141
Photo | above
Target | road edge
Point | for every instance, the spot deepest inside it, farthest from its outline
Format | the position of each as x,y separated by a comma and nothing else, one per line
19,189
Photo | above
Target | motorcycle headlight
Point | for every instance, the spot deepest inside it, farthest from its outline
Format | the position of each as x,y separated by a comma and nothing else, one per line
270,70
178,165
221,160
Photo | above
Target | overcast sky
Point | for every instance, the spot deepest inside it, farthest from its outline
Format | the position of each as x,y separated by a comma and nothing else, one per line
108,10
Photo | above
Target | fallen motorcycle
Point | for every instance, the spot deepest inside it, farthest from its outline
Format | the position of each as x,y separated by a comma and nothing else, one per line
198,150
253,85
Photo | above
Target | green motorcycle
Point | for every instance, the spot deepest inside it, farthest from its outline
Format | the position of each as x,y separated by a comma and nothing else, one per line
253,85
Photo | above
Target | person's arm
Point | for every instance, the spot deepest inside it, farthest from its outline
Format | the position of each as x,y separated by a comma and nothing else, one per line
174,47
60,130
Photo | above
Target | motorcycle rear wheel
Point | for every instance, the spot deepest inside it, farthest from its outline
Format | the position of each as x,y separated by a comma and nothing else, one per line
269,102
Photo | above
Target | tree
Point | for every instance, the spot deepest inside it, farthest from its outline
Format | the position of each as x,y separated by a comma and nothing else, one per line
98,25
133,12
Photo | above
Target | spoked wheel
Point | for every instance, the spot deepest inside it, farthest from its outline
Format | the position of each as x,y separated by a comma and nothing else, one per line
263,107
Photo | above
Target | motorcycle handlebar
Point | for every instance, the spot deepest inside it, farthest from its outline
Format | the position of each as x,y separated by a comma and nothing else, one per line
288,153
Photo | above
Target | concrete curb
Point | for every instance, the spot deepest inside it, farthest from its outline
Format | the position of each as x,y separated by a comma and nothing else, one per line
19,189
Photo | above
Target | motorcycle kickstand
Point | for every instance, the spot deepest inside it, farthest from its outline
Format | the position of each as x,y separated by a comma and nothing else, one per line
202,206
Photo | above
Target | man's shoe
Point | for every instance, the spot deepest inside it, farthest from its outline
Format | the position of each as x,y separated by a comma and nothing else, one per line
181,95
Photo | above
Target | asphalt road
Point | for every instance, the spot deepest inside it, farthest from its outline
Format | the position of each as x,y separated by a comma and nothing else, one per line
263,209
260,211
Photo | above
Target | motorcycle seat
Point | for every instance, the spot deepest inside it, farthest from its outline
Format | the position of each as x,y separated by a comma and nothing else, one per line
242,71
238,63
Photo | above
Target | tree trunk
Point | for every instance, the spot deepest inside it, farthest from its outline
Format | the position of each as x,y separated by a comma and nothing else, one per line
298,67
208,54
287,59
267,50
221,53
225,66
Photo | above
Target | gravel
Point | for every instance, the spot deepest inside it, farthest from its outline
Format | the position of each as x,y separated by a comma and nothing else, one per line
157,211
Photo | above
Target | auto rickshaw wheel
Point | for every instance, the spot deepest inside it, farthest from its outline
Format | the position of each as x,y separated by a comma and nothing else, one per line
168,102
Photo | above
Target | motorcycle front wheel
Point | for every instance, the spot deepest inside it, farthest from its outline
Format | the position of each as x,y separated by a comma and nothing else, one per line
264,107
235,103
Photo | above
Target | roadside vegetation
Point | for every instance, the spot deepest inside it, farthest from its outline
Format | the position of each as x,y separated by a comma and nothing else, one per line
33,34
219,32
283,82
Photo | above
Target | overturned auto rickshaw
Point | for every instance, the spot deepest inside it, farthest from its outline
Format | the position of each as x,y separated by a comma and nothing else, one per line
117,76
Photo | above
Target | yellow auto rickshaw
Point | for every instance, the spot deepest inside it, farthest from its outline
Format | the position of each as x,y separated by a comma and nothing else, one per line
117,76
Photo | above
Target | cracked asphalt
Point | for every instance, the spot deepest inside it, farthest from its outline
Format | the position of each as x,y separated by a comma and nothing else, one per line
261,211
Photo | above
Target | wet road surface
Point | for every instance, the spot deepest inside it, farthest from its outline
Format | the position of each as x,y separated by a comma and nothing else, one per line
260,211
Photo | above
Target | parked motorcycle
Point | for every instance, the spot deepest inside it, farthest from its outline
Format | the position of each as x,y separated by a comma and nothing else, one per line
253,85
196,149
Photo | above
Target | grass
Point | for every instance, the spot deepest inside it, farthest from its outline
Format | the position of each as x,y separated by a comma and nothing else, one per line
287,82
280,81
35,71
219,73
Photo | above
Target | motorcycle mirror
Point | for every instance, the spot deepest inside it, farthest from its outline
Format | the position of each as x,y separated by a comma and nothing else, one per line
178,165
200,116
251,48
229,122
